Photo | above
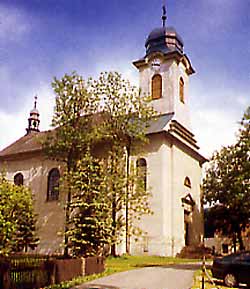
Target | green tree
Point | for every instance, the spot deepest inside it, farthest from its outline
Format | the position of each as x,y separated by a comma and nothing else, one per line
127,115
107,118
227,181
91,227
72,134
17,218
67,143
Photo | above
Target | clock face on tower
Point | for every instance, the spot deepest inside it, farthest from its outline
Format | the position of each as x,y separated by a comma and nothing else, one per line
156,63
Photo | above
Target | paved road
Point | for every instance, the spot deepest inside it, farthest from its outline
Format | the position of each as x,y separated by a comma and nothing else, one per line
167,277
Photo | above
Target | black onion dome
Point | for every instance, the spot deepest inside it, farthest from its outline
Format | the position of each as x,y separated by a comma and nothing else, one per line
164,39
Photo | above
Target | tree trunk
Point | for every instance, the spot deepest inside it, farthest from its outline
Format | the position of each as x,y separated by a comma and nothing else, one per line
127,193
66,228
113,246
234,242
70,165
240,241
113,250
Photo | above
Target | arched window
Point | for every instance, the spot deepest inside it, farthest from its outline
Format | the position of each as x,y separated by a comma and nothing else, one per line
187,182
141,168
53,185
156,86
18,179
181,90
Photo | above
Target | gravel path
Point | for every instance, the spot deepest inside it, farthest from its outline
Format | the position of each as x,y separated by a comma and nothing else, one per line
167,277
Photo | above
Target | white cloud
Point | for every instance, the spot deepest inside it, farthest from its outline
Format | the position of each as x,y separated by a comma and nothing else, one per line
12,126
128,71
215,114
242,101
13,23
214,128
213,125
45,105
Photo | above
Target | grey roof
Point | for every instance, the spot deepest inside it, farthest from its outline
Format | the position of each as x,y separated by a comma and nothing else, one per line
159,123
29,143
33,142
165,40
163,32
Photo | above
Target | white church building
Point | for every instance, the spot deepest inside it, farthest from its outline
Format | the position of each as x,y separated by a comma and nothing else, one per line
171,159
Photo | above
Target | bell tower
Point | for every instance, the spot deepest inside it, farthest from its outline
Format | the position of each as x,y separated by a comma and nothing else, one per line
33,120
164,72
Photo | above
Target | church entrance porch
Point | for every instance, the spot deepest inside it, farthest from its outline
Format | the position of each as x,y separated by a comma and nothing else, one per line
188,205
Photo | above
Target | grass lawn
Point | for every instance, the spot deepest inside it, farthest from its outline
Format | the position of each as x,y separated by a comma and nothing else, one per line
124,263
208,284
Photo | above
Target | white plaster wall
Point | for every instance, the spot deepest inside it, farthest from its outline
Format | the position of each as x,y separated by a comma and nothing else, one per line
166,103
50,214
168,166
170,101
185,166
156,154
182,110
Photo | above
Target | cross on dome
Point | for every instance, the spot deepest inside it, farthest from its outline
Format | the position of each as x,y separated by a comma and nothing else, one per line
35,97
164,15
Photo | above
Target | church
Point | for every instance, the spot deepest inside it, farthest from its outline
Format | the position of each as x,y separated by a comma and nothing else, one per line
171,159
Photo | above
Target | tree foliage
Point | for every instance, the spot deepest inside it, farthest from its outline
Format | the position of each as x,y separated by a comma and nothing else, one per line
67,143
17,218
90,222
98,124
127,115
227,181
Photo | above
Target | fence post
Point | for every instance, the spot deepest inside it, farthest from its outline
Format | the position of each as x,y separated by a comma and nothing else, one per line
52,270
203,273
6,279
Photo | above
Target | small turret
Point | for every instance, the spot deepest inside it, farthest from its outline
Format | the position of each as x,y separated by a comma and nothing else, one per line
33,120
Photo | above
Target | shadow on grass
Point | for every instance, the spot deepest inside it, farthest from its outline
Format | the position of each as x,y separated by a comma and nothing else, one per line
219,284
195,266
96,286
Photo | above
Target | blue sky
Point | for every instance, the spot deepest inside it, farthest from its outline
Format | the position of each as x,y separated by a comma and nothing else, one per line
40,39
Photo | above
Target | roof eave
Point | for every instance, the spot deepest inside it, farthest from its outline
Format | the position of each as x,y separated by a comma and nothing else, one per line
14,156
188,148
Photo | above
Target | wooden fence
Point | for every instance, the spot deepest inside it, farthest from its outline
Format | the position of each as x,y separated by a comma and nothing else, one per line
38,271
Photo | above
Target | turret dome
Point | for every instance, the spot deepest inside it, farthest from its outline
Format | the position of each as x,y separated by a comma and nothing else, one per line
164,39
33,120
34,111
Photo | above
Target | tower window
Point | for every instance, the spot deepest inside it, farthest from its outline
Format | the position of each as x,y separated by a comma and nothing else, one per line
18,179
141,168
53,185
187,182
156,86
181,90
